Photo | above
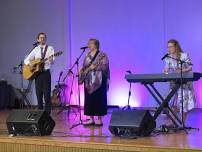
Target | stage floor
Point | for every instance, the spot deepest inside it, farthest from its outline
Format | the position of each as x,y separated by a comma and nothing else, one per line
99,139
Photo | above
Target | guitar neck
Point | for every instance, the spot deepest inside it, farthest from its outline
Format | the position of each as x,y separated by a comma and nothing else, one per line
54,55
44,60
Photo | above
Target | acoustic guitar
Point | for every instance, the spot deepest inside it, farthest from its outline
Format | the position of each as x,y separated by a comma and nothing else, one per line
30,72
55,98
85,70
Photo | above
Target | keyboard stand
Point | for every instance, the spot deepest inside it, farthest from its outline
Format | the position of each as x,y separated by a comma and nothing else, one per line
164,102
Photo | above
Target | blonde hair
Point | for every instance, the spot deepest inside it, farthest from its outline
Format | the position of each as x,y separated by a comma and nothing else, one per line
177,47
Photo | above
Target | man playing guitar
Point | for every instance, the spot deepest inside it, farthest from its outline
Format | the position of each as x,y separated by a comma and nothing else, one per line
43,79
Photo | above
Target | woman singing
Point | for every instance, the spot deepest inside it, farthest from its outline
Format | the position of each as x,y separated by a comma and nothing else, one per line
95,83
172,66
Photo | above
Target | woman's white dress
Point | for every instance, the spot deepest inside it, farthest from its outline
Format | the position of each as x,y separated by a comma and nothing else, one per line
188,91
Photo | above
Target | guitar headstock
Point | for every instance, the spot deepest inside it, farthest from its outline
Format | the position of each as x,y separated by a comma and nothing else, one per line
58,53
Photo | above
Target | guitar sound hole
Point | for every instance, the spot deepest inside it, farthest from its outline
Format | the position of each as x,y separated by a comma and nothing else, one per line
33,69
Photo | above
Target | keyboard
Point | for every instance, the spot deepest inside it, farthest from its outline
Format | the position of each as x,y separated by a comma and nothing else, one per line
161,77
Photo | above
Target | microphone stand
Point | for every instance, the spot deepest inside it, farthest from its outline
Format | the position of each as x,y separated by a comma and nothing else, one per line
76,63
181,62
23,91
65,106
20,68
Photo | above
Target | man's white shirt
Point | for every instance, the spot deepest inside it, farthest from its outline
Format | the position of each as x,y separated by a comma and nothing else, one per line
36,54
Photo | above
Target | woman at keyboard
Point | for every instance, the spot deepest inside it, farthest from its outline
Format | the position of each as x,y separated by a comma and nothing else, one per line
173,66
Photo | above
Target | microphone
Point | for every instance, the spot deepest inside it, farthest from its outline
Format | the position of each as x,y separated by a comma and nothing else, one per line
60,76
17,66
128,71
83,48
61,73
165,56
36,43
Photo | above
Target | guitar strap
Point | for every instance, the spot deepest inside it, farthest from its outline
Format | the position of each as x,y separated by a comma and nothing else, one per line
93,59
44,54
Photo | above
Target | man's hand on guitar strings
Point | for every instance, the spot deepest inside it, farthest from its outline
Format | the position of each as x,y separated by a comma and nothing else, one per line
50,59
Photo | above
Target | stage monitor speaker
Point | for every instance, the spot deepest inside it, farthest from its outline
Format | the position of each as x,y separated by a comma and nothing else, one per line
30,123
131,123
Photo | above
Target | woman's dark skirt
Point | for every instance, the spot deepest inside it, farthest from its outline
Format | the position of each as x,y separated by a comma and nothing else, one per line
95,104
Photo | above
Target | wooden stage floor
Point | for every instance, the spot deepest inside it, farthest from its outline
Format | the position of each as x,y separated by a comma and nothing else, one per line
99,139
